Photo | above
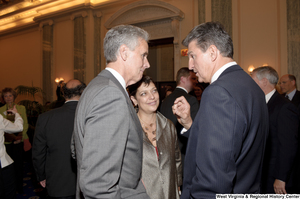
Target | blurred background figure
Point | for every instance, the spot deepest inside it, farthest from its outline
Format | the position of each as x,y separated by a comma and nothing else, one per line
7,172
162,171
14,143
59,94
169,90
184,84
288,88
51,152
282,141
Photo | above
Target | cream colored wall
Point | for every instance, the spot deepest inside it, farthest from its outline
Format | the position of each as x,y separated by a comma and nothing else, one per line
259,36
20,60
62,51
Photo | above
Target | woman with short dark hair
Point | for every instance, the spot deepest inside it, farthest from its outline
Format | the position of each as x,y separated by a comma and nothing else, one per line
162,170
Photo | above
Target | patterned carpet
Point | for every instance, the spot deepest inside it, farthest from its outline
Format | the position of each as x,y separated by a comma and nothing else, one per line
32,189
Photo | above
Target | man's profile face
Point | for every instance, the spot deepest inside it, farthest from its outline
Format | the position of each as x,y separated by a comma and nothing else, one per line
194,79
200,62
137,62
286,85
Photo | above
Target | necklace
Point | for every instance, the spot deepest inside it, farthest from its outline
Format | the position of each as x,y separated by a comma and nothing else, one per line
148,127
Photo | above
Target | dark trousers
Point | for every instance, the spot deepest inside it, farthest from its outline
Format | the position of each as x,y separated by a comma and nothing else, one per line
15,151
1,184
8,182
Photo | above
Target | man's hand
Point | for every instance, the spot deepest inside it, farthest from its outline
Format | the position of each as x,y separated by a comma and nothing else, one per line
181,109
279,187
43,183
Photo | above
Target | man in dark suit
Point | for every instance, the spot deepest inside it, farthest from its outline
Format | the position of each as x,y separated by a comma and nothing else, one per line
227,137
282,141
108,135
184,86
288,88
51,153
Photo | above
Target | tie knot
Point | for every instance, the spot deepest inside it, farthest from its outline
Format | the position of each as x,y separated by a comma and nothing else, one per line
287,97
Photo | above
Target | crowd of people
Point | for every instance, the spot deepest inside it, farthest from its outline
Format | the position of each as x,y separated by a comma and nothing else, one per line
109,140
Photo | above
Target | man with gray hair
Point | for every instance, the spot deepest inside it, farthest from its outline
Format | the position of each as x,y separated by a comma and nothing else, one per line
282,142
229,131
108,135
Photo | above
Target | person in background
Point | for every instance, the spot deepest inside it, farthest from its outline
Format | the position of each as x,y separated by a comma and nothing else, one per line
7,172
162,171
228,135
288,88
15,143
59,94
282,140
51,152
184,86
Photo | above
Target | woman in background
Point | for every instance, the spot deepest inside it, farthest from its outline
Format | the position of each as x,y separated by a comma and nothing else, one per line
14,142
162,170
7,173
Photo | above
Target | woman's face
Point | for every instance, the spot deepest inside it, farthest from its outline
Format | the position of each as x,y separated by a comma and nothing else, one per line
8,98
146,98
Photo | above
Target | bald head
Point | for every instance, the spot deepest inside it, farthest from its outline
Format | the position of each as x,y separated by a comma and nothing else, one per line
73,89
287,83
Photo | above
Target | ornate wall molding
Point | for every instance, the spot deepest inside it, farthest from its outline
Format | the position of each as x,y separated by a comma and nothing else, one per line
49,22
293,38
47,58
79,14
221,10
159,19
144,11
97,43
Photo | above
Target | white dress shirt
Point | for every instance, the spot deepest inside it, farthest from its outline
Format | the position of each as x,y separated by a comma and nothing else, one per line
221,70
291,94
182,88
118,77
8,127
214,78
269,95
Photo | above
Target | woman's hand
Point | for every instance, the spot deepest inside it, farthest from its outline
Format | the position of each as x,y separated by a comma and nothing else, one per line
13,110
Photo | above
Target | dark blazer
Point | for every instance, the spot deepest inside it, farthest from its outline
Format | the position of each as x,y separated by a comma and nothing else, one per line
166,110
282,142
109,142
51,153
296,99
227,138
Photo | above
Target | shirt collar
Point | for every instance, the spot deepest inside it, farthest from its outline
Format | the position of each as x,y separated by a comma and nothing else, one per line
269,95
221,70
291,94
71,101
182,88
118,77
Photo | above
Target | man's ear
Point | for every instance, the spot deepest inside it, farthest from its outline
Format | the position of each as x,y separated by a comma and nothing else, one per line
134,101
264,81
293,82
123,51
214,52
182,79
